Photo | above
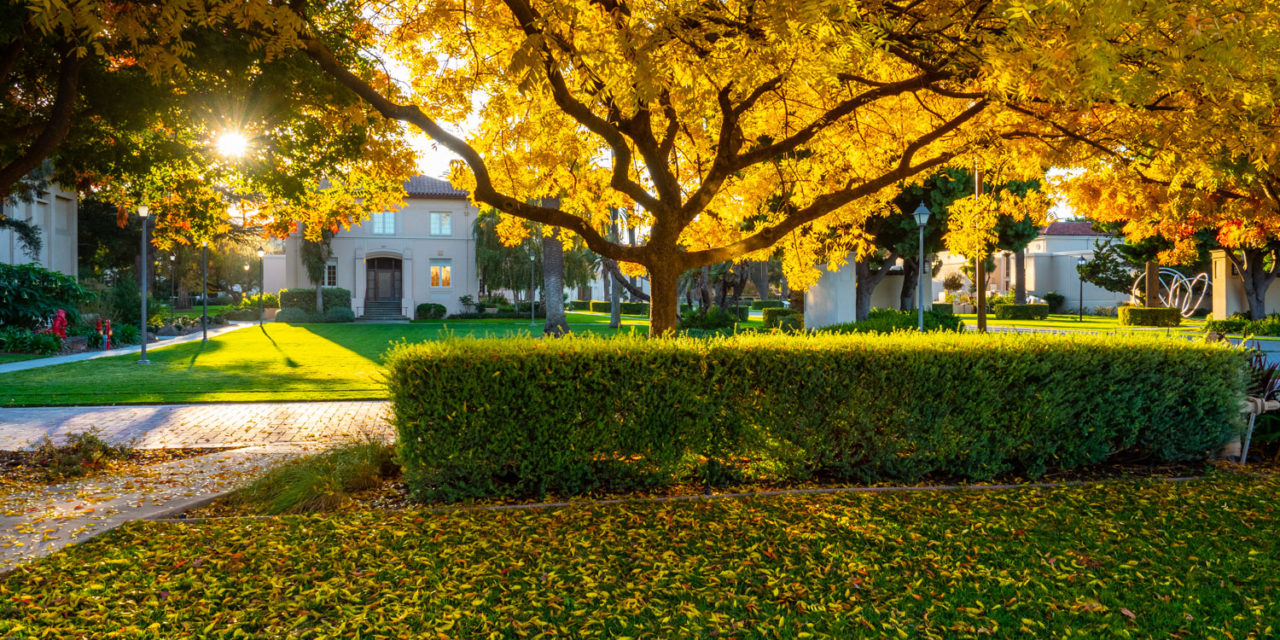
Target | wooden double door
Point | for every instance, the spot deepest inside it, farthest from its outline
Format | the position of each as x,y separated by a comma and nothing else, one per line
385,279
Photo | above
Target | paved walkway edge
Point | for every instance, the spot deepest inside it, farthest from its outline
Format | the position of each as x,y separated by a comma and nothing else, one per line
23,365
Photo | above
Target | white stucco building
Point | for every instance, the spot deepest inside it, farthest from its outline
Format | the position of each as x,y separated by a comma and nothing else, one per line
396,260
54,213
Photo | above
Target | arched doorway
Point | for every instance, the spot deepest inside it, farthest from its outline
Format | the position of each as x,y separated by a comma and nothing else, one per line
385,279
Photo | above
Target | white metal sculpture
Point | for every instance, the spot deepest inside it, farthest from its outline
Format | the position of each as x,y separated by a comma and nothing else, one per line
1176,290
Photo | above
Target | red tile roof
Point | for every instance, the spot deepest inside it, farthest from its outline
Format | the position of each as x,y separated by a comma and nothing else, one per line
1062,228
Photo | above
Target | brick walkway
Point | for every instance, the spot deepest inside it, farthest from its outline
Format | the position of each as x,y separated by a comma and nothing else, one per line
200,425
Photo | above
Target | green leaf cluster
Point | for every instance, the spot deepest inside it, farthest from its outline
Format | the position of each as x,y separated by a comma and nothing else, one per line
527,417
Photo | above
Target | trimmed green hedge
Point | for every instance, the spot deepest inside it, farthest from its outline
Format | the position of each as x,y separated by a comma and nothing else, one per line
1032,311
786,319
766,304
943,307
306,298
1150,316
626,308
527,417
429,311
891,320
294,315
578,305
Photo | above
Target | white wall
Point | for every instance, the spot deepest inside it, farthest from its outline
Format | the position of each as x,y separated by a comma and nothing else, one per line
55,214
833,298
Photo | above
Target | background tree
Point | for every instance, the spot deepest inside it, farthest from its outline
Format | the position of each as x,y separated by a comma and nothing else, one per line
315,259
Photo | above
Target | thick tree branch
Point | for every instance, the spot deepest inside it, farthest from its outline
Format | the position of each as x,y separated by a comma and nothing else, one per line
485,191
55,130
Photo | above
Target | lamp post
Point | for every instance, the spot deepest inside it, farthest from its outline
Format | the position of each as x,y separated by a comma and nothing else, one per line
142,213
262,286
922,218
1080,276
173,291
204,291
532,306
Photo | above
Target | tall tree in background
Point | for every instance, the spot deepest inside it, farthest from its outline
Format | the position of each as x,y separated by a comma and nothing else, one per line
315,259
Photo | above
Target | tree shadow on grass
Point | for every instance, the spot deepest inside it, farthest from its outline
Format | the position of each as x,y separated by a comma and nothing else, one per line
288,362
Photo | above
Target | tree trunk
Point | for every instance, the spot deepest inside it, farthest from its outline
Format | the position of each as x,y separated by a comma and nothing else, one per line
705,287
910,282
319,298
615,298
867,283
664,299
553,285
606,281
1020,277
760,277
1152,294
1256,278
980,286
631,240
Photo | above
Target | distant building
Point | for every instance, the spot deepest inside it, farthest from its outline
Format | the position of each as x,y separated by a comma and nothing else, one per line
54,213
396,260
1050,266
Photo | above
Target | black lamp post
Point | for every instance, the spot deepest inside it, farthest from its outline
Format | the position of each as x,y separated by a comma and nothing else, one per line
262,286
142,213
532,306
204,291
1080,276
173,290
922,218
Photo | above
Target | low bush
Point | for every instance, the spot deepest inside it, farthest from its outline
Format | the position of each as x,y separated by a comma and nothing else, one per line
1229,325
80,454
19,340
339,314
891,320
709,318
1109,312
625,308
943,307
501,315
321,482
306,298
123,334
776,318
1055,301
430,311
1022,311
523,307
294,315
245,314
1268,326
526,417
1150,316
30,295
269,301
578,305
767,304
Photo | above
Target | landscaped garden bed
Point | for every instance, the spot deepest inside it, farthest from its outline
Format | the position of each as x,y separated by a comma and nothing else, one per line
1141,559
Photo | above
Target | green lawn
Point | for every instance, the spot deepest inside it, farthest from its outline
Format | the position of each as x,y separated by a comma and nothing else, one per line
17,357
1071,322
275,362
1119,560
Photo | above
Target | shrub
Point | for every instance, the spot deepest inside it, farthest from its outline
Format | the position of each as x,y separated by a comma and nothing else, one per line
522,416
509,314
523,307
306,298
1055,301
767,304
1110,312
944,308
82,453
1022,311
1230,325
709,318
953,282
1150,316
626,308
430,311
339,314
579,305
19,340
321,482
891,320
124,333
773,317
30,295
270,300
294,315
245,314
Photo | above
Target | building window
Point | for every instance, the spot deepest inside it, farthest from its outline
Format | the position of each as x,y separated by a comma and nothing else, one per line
442,273
441,223
331,274
383,224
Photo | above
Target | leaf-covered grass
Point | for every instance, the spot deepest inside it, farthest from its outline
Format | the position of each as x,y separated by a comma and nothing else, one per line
277,362
320,482
1071,322
1120,560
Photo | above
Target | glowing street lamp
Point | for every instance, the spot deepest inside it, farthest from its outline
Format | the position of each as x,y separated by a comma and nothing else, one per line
204,291
262,286
922,218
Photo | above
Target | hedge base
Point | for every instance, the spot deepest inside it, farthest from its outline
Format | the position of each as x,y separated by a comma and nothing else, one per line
1150,316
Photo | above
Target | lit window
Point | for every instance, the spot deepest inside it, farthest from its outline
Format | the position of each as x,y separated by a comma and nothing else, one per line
441,223
442,273
331,274
383,224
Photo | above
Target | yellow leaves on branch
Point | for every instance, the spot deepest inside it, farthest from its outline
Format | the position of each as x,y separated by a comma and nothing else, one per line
973,225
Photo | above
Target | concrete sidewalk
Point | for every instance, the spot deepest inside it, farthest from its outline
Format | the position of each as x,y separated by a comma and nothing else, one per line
23,365
38,522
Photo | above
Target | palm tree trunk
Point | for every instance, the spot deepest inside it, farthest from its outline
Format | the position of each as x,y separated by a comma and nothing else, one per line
1020,277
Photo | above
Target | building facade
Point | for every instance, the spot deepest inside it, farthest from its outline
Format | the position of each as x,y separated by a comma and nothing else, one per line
423,252
54,213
